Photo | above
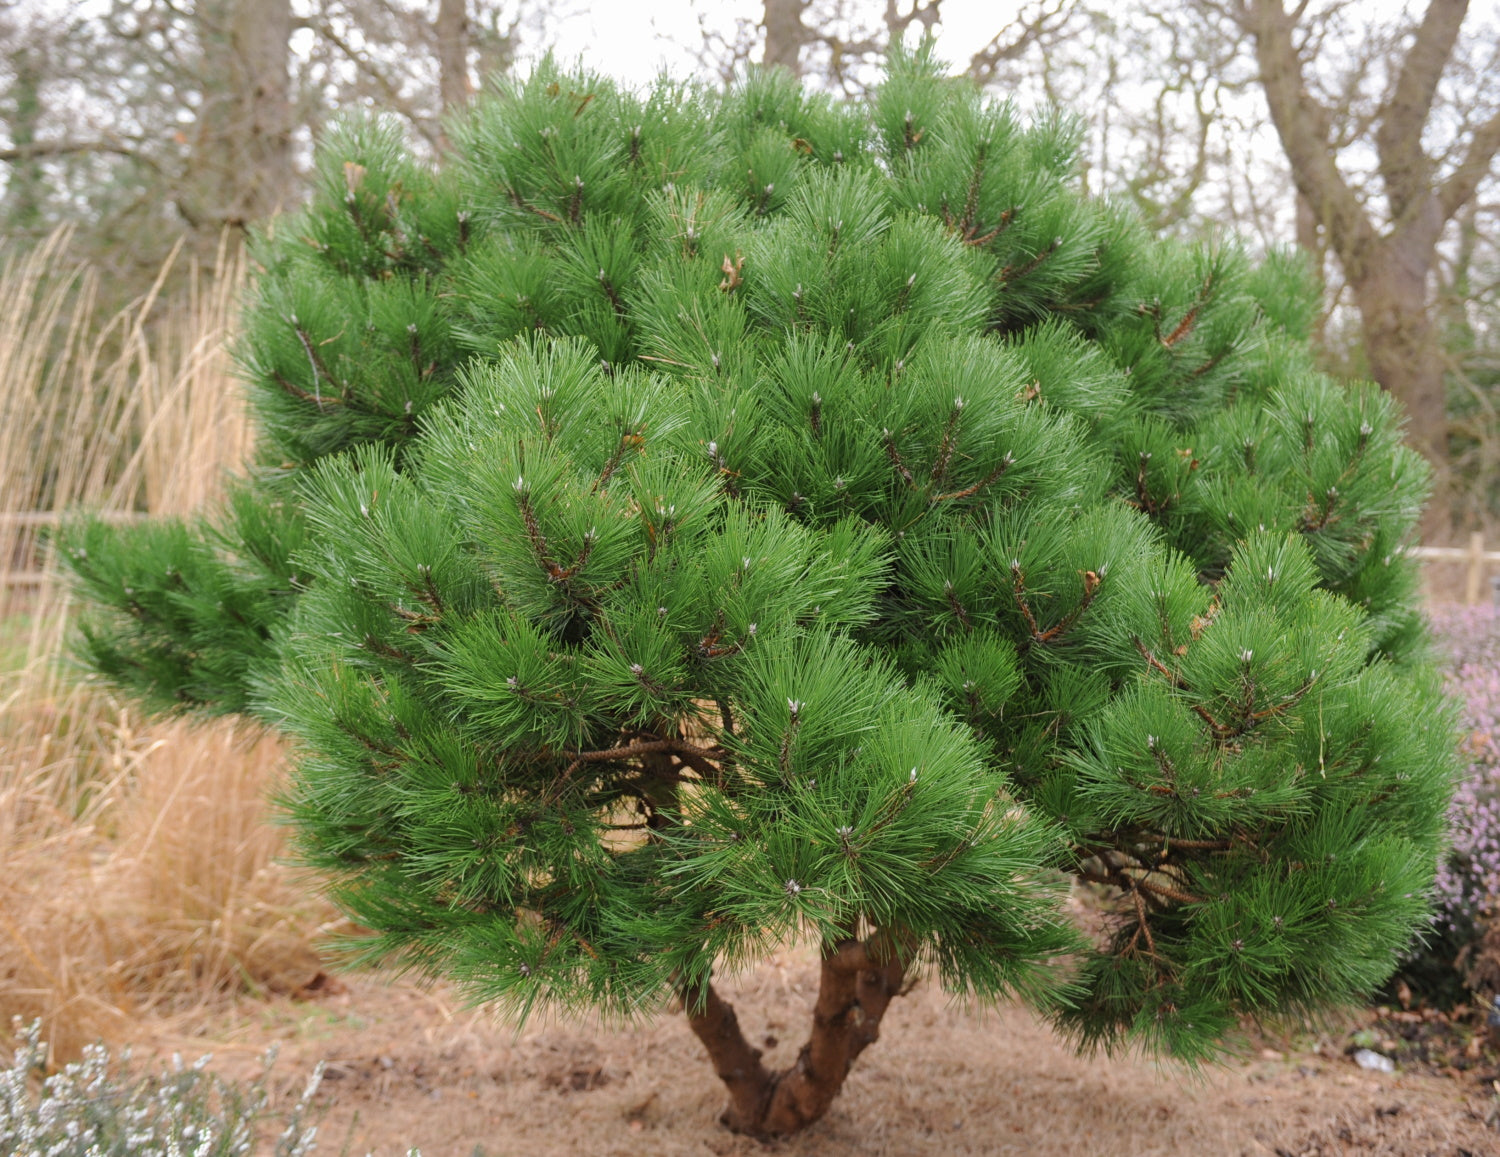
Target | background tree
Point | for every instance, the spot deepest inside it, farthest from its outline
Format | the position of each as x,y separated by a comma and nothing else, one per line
409,59
841,43
1168,124
1179,124
1427,173
240,165
25,191
455,83
146,120
1468,309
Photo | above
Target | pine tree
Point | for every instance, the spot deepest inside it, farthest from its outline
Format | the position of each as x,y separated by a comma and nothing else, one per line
691,524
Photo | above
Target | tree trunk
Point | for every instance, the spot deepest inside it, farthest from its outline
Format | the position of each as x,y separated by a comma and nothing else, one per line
1405,353
26,190
1387,271
785,33
453,53
1310,238
243,149
857,982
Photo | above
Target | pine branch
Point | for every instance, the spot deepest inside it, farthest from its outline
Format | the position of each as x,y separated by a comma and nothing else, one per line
302,395
1156,664
614,297
1014,272
956,607
969,491
520,202
319,367
385,650
1091,585
1116,875
651,747
1185,326
630,440
947,445
895,456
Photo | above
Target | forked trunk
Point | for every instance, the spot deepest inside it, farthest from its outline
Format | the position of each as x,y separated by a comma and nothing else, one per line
856,984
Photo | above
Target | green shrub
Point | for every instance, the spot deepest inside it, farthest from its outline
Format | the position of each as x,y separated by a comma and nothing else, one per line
689,524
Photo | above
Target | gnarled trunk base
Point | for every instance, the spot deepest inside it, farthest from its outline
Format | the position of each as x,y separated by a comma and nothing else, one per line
858,980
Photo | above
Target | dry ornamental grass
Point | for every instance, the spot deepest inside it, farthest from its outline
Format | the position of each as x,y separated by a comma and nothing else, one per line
138,871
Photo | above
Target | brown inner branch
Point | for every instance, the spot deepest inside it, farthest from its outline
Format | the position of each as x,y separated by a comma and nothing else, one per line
1248,716
1114,871
1149,886
1092,580
858,978
857,981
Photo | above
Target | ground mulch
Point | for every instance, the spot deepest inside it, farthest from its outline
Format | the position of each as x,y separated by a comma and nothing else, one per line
410,1067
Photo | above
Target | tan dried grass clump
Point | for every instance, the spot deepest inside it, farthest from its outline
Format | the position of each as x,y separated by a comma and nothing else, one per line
138,866
155,888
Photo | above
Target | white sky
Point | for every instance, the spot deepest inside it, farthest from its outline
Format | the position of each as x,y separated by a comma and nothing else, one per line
632,40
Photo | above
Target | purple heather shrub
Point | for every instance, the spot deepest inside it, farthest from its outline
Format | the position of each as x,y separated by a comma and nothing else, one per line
1468,879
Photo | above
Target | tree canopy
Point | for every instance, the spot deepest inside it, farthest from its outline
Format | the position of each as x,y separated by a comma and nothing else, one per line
686,524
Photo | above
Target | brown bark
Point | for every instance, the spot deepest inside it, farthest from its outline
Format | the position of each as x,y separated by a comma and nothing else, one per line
1388,272
785,33
857,981
243,145
1304,128
1310,241
1401,342
1307,230
453,53
1405,170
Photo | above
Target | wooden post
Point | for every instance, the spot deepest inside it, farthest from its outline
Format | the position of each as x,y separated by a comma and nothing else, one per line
1476,569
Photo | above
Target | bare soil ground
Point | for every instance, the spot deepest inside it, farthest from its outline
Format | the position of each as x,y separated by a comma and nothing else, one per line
410,1067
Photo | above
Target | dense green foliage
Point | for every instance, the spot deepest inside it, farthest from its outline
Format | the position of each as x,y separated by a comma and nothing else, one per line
688,523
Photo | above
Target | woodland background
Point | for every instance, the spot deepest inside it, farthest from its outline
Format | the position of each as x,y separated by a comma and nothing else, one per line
1362,131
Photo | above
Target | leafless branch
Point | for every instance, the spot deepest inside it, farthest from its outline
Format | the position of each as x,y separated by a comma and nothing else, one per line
1045,20
1404,168
389,91
1463,182
1303,125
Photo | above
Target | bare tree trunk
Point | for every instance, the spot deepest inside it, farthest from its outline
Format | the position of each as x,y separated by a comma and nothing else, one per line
1310,237
26,189
1311,241
1387,271
243,147
1405,354
1402,343
857,982
453,53
785,33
